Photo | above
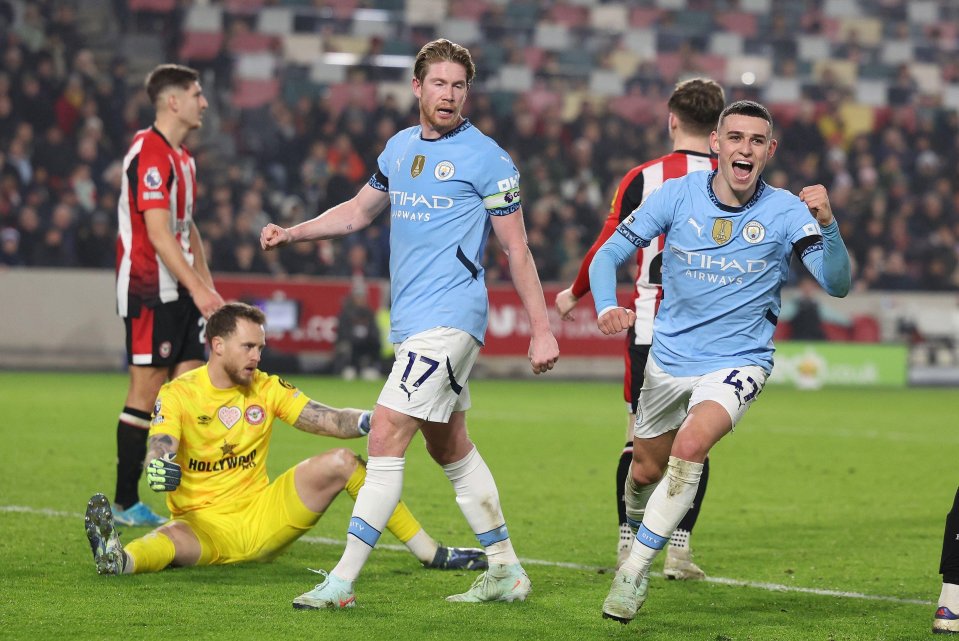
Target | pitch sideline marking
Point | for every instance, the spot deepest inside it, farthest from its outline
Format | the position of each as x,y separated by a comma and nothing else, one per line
759,585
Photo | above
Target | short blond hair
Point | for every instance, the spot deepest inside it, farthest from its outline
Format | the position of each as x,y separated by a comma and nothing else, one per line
443,50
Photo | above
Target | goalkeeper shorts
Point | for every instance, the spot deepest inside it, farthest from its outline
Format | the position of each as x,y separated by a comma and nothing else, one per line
259,530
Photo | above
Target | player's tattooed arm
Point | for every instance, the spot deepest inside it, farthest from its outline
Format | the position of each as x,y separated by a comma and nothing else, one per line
317,418
159,445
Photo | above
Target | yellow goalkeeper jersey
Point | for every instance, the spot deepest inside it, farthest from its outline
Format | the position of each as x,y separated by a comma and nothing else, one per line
224,435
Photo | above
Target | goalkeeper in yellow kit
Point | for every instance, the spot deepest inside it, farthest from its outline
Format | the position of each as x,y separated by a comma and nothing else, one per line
208,444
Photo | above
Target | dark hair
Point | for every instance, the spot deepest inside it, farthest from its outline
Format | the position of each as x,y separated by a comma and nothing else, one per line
443,50
222,322
165,76
746,108
697,103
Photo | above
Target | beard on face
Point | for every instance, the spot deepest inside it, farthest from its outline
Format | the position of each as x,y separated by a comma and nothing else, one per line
238,375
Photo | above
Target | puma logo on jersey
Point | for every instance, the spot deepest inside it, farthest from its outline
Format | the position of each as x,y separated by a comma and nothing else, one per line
699,228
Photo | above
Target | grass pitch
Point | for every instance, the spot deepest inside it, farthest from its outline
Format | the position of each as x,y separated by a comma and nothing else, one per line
824,517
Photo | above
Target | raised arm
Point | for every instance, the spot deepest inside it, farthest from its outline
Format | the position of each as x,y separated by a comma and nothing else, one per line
345,218
831,266
320,419
511,233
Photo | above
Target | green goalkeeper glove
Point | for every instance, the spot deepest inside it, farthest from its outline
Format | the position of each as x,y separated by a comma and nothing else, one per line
163,475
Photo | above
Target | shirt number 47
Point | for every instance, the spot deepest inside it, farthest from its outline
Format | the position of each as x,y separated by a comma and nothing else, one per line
734,380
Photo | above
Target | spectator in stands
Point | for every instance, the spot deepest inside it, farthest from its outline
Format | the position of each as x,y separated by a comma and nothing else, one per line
10,248
357,348
96,242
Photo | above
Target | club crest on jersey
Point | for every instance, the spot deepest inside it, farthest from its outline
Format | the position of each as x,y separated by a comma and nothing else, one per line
753,232
419,162
254,415
722,231
444,170
152,178
165,349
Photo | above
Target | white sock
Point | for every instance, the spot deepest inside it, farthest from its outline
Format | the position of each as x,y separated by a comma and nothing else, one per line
636,498
374,504
478,498
422,546
679,539
949,597
666,508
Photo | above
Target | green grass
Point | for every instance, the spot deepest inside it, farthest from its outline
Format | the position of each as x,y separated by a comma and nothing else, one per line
842,490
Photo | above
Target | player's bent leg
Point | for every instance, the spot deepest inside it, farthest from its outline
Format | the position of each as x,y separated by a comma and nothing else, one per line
706,423
649,462
404,526
320,478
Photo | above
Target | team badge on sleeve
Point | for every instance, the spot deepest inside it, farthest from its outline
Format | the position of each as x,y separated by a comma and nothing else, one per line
753,232
812,229
152,178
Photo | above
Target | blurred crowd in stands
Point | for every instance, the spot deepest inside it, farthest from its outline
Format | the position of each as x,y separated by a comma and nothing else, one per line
575,119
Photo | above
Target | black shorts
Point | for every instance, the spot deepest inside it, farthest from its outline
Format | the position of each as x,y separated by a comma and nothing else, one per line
165,335
635,370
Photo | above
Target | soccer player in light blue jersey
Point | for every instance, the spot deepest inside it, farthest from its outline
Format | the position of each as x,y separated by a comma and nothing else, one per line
446,185
729,237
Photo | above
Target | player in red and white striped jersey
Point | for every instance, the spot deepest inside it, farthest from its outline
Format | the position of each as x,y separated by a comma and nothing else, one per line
694,109
164,287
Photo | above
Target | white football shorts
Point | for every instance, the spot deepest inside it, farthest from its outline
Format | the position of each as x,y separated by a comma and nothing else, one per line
665,400
429,377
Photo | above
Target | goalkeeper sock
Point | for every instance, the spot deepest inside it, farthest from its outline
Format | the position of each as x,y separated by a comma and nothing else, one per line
665,510
132,430
478,499
375,502
150,553
402,524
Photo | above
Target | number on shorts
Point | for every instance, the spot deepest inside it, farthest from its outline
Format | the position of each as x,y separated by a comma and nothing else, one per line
432,365
733,380
202,323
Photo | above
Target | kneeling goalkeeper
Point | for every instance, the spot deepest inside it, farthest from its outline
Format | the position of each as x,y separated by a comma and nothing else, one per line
208,445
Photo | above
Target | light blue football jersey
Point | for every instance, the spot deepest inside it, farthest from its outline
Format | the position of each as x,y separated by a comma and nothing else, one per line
442,194
723,270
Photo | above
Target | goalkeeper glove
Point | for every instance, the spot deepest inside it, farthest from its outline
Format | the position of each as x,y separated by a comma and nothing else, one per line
364,423
163,475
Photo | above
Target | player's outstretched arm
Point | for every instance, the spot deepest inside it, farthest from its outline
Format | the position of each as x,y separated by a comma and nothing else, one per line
323,420
345,218
511,233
